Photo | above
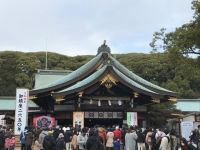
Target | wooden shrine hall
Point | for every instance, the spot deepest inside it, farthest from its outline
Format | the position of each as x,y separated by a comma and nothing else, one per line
103,89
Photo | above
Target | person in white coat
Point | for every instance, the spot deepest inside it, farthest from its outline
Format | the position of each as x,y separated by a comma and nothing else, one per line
165,141
82,139
130,139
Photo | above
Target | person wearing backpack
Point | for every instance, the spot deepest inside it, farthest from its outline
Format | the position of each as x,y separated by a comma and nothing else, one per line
28,139
22,138
42,136
49,143
94,142
141,140
165,141
158,134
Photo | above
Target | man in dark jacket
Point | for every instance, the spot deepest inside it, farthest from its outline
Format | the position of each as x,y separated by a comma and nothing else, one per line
2,139
140,140
60,142
28,139
49,142
94,142
68,138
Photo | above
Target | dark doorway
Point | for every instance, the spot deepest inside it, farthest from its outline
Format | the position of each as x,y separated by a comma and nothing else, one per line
105,122
64,122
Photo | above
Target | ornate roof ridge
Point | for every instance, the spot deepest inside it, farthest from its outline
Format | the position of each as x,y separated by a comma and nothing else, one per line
104,48
139,79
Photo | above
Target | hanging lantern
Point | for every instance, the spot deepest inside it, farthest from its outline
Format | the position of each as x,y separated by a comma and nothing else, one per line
79,102
119,102
132,103
91,101
109,102
99,103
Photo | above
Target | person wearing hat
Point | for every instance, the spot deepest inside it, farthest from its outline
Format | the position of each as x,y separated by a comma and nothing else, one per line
68,138
60,142
49,142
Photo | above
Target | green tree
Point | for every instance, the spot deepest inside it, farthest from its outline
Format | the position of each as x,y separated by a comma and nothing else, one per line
185,39
8,70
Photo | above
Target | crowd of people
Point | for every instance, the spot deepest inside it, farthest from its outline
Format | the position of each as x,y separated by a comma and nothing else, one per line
99,138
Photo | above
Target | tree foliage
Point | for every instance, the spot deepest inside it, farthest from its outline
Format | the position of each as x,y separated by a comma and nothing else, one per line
184,40
171,71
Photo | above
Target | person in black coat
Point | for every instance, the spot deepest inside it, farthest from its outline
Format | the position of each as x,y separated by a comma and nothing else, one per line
2,139
94,142
60,142
49,142
141,139
68,138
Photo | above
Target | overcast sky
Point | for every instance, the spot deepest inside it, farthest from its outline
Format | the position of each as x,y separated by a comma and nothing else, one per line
78,27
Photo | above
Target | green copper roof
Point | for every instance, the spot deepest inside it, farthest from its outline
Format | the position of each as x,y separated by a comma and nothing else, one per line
85,82
42,80
8,103
92,78
134,85
83,77
83,70
138,79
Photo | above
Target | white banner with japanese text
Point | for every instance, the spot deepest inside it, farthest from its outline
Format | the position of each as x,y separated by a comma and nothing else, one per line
21,111
186,129
132,118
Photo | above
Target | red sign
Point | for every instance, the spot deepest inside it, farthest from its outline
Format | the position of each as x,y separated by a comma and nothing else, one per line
44,122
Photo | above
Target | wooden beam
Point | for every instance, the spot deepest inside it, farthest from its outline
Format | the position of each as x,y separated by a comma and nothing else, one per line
106,98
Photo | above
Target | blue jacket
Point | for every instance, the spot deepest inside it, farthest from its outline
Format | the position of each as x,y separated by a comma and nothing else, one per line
22,137
116,144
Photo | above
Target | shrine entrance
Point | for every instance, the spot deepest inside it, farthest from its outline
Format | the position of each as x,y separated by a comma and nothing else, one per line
103,122
107,119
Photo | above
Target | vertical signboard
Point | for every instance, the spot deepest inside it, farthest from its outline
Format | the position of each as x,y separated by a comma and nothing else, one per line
132,119
78,119
21,111
186,129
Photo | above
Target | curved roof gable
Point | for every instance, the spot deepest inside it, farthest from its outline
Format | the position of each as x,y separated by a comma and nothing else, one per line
98,75
92,79
73,77
140,80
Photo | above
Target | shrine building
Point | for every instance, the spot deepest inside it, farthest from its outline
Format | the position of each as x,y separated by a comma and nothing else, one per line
103,89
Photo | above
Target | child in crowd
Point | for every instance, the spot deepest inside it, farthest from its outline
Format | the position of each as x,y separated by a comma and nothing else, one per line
116,143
